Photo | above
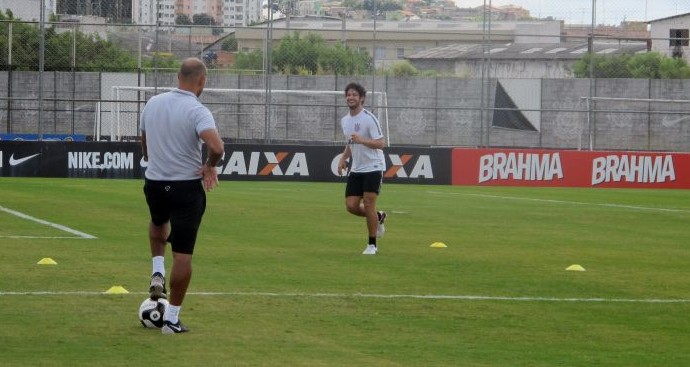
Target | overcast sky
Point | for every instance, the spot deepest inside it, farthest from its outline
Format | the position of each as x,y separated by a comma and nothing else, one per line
580,11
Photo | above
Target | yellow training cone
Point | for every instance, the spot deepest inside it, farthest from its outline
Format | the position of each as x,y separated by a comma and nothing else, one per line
46,261
116,289
575,267
438,245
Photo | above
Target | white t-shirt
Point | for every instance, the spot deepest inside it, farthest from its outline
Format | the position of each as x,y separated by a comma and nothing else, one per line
364,159
172,122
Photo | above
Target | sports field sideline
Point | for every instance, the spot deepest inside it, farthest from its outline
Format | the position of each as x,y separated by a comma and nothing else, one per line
280,280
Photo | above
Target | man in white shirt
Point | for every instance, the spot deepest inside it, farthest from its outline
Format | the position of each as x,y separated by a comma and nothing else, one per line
364,150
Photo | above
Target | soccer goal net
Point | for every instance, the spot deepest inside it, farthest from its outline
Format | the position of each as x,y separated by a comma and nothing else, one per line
253,115
633,123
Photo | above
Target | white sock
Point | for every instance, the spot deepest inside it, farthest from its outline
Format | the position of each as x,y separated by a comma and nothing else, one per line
172,313
158,265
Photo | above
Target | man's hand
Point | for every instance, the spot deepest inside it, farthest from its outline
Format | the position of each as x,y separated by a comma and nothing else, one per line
209,176
342,167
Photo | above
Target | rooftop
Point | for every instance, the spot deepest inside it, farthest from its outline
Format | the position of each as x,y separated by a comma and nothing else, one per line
513,51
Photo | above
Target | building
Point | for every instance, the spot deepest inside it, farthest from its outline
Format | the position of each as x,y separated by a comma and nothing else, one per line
29,10
226,13
116,11
516,60
389,42
670,36
144,12
626,31
239,13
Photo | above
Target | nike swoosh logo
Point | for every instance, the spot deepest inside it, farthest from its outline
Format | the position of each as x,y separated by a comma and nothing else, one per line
14,162
668,121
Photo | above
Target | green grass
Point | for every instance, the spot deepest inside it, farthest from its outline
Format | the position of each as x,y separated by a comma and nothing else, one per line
289,286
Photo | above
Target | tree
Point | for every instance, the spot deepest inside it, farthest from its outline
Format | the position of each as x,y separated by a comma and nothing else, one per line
403,68
340,60
381,6
92,52
295,53
183,19
249,61
353,4
202,19
651,65
674,68
229,44
311,55
645,65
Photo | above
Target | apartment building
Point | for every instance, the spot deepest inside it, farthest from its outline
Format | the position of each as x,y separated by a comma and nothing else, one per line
145,12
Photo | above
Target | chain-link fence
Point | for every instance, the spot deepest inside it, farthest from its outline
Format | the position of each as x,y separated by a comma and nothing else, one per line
583,76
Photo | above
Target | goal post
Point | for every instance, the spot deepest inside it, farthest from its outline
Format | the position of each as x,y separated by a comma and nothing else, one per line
642,114
255,114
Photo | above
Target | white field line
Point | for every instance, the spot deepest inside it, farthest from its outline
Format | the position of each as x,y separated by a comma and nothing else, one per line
607,205
48,237
49,224
368,295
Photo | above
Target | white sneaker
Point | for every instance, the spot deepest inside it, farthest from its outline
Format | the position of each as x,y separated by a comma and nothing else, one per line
370,250
380,230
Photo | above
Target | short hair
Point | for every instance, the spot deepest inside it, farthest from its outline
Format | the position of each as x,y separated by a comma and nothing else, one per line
357,87
192,68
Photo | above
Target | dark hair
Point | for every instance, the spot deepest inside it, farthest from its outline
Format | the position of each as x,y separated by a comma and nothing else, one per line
360,89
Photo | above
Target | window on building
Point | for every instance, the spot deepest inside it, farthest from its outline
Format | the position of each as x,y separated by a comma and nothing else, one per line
679,37
380,53
400,52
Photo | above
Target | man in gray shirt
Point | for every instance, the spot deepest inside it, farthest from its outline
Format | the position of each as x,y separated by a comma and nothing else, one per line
173,127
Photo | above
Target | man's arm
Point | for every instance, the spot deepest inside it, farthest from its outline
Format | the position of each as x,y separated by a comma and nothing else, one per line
342,163
369,143
215,149
373,143
144,151
214,146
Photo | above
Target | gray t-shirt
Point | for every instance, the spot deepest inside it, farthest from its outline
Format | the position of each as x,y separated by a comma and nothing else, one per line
172,122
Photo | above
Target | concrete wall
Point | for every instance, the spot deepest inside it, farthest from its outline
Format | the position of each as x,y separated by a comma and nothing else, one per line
420,111
548,69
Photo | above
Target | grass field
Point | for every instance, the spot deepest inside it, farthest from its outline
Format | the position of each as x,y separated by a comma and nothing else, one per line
280,280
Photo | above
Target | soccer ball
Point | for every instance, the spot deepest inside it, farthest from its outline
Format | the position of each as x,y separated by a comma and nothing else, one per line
151,312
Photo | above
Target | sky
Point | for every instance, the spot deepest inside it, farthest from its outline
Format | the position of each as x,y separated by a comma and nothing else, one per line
610,12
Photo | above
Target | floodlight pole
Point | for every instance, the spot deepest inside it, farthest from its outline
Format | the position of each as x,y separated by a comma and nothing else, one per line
9,76
373,45
41,66
155,57
485,97
267,73
592,80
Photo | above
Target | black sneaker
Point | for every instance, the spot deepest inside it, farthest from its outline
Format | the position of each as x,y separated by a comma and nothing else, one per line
170,328
157,289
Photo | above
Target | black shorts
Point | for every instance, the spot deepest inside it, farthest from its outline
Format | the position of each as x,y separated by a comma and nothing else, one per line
359,183
183,203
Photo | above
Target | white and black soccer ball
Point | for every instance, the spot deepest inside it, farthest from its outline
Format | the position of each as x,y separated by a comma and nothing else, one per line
151,312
